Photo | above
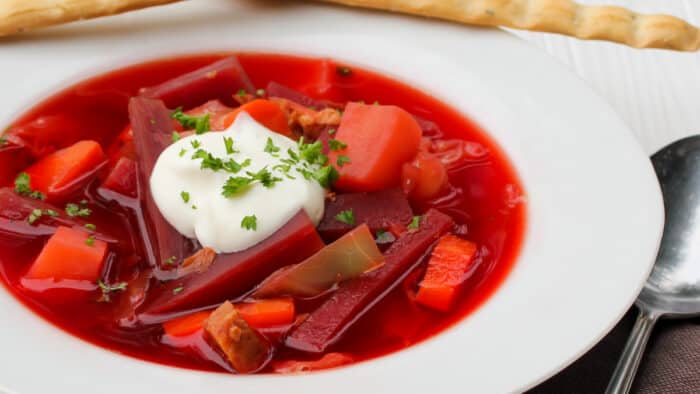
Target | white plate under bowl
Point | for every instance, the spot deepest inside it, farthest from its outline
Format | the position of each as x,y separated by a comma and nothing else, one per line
594,208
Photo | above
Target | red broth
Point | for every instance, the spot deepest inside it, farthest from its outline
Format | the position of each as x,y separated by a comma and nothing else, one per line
485,202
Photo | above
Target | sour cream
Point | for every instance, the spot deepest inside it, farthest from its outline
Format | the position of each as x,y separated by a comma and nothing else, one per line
190,198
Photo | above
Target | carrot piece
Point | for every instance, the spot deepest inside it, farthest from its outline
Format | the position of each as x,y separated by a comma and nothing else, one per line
268,113
423,178
186,325
267,313
61,172
69,254
447,270
379,139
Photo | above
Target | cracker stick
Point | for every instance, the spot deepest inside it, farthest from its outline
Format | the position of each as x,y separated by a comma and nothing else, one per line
19,15
554,16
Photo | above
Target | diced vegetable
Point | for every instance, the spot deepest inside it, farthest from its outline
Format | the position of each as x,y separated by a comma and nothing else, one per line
354,298
122,146
379,210
219,80
242,347
349,257
14,158
122,178
66,170
199,262
308,122
70,254
275,89
186,325
380,139
266,113
152,128
329,360
424,178
267,313
217,111
233,274
447,269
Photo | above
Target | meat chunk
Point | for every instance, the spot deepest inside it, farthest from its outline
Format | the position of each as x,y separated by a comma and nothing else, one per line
242,347
310,122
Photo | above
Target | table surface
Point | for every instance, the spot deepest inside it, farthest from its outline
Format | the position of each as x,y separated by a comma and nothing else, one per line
656,92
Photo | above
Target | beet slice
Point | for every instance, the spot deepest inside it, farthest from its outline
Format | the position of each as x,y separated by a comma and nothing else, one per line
219,80
13,158
152,127
232,274
378,209
354,298
275,89
121,179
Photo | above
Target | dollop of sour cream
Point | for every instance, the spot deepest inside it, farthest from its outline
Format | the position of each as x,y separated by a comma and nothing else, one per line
191,200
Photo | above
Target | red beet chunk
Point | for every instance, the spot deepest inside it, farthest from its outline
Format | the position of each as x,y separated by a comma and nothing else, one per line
354,298
275,89
152,128
231,275
219,80
378,209
13,158
122,178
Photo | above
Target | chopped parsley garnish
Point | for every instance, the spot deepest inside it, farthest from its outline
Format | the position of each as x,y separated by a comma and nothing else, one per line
343,71
51,212
3,141
228,142
208,160
325,176
170,260
182,152
35,214
194,206
176,136
264,176
312,153
107,289
195,144
384,237
334,144
233,166
342,160
331,131
74,210
250,223
90,226
346,217
90,241
178,289
242,92
415,223
185,196
23,189
235,185
270,146
200,124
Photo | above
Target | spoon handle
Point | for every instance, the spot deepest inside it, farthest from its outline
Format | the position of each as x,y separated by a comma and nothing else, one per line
626,369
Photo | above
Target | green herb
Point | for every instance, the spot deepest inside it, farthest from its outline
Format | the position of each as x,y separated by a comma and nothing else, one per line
415,223
346,217
22,187
182,152
74,210
3,141
194,206
178,289
51,212
326,176
331,131
228,142
250,223
170,260
264,176
312,153
200,124
343,71
195,144
90,241
235,185
270,146
90,226
342,160
260,92
336,145
34,215
208,160
176,136
185,196
107,289
242,93
384,237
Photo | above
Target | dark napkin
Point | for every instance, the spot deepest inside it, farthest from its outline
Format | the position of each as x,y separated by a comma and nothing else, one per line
671,363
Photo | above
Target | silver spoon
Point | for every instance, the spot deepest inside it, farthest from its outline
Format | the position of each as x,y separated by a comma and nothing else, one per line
673,288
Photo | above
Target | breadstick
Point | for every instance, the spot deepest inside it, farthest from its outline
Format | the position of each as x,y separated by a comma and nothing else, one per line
19,15
554,16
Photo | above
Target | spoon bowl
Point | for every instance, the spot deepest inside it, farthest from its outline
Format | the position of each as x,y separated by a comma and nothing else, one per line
673,287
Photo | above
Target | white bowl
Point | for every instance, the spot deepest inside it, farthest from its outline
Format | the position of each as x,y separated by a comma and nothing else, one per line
595,213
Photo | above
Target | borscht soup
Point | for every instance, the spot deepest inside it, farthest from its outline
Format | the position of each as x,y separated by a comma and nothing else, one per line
253,213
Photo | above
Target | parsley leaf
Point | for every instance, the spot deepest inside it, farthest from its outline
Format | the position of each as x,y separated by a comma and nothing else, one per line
90,241
249,222
208,160
346,217
325,176
3,141
228,142
200,124
35,215
334,144
23,189
182,152
176,136
265,177
90,226
170,260
331,131
415,223
178,290
107,289
74,210
185,196
384,237
235,185
195,144
270,146
342,160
